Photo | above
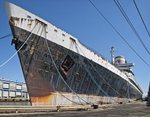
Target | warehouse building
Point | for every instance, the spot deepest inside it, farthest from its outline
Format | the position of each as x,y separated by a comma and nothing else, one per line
12,89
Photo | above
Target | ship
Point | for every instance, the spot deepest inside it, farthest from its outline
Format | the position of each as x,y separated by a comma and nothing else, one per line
148,96
61,71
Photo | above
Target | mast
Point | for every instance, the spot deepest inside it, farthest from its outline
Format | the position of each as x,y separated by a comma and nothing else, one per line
112,55
149,90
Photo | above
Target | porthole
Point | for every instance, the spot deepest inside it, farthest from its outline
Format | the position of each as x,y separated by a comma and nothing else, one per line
28,16
55,30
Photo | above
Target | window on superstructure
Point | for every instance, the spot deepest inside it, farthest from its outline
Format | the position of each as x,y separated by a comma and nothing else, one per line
55,30
63,34
28,16
72,39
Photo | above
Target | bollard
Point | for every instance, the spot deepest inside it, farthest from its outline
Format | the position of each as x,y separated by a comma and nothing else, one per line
58,107
16,111
95,106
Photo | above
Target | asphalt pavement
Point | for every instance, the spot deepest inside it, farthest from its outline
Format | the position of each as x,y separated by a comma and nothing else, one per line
133,109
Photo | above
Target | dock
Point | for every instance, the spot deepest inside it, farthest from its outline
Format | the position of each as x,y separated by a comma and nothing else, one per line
14,99
132,109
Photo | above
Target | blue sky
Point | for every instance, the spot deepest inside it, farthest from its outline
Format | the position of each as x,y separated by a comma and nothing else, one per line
80,19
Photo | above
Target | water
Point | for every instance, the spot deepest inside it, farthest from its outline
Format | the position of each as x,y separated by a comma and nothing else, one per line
15,104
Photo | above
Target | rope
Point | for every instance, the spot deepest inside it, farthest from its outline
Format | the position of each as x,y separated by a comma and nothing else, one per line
60,74
6,36
100,75
34,48
19,48
91,75
68,98
128,90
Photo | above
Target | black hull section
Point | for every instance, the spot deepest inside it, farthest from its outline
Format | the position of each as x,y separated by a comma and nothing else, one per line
43,80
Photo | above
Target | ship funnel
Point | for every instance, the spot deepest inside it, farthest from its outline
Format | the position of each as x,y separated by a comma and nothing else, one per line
112,55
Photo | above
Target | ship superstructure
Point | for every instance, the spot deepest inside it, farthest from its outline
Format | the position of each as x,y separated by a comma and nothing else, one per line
121,63
59,70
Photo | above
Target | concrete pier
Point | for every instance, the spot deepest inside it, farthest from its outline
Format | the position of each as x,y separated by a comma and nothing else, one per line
133,109
14,99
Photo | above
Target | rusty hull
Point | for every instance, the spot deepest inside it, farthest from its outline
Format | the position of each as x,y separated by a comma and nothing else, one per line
44,84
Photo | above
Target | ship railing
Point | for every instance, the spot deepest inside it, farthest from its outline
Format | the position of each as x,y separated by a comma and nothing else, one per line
95,52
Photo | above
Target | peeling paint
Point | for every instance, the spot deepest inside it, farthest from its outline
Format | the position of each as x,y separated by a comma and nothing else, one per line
44,84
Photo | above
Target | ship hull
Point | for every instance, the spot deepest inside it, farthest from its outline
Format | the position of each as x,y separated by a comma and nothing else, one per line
44,83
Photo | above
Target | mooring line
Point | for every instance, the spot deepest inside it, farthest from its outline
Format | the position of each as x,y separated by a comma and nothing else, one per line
100,75
91,75
34,48
6,36
61,75
20,47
